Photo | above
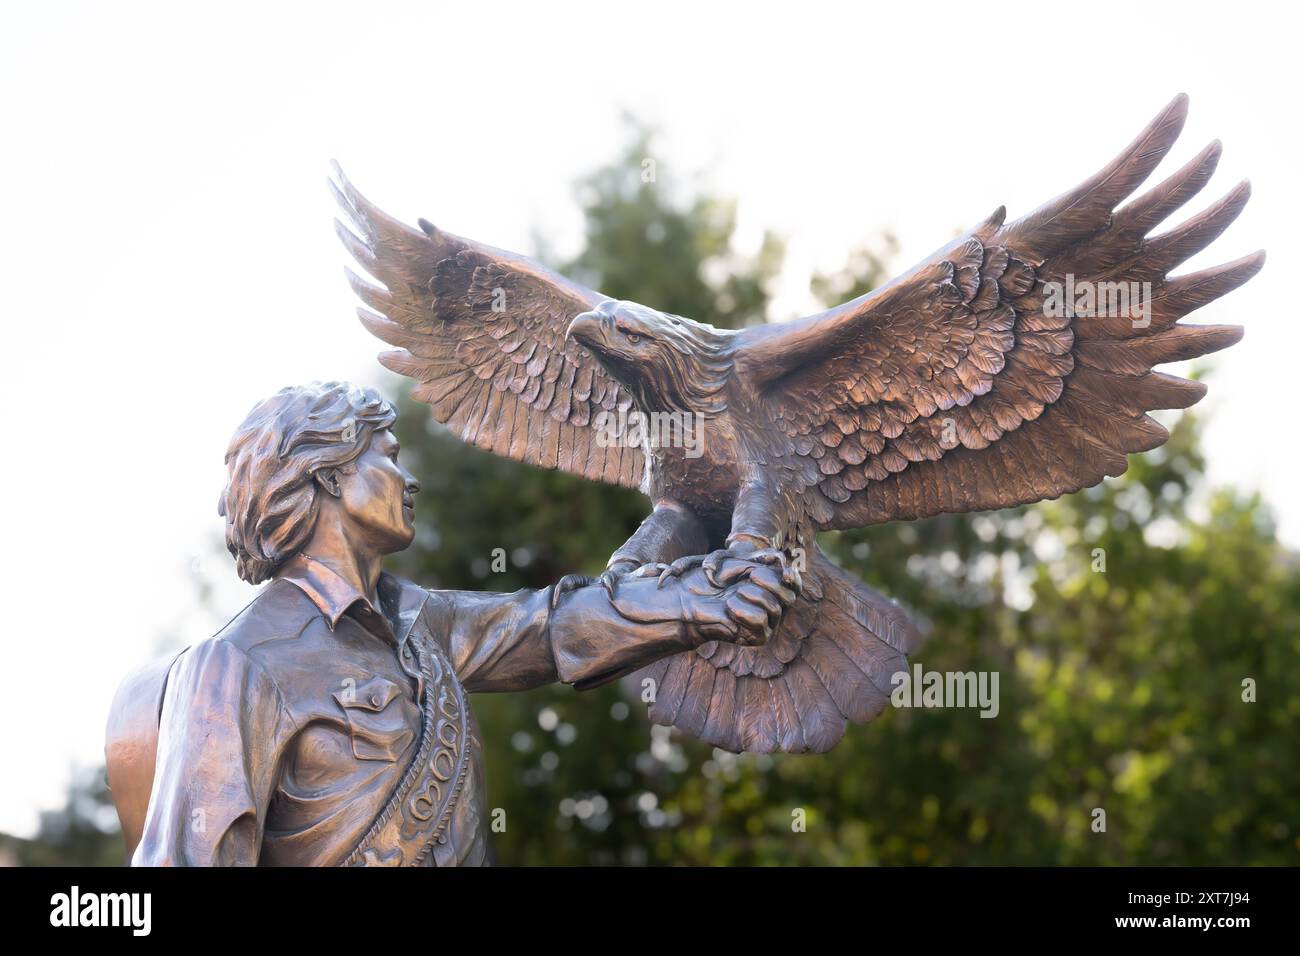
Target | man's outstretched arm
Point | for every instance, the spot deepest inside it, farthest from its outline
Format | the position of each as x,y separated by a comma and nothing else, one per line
508,642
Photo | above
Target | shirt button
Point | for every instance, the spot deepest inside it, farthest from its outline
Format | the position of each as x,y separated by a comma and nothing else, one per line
374,700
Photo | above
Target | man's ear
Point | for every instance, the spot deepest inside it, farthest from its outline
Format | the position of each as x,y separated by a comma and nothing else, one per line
328,479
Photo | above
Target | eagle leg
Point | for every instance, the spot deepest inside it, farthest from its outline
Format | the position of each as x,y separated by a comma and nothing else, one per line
669,534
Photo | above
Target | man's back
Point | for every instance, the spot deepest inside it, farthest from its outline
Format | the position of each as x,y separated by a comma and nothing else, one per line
131,744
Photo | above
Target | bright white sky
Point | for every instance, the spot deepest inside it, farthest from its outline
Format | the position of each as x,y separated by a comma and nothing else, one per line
170,258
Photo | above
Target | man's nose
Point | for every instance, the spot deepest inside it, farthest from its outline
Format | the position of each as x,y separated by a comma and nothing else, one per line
412,486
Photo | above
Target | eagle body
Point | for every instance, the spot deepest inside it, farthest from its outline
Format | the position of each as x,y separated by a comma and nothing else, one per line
707,483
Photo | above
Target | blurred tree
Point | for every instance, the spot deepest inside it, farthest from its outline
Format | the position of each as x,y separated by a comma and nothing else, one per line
84,832
867,268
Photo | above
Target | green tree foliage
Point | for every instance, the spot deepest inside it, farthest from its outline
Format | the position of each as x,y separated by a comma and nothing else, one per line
84,832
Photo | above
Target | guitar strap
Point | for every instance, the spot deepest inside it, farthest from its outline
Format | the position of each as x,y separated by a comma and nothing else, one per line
417,814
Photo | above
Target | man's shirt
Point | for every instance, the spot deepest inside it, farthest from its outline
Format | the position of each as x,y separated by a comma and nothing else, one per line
292,734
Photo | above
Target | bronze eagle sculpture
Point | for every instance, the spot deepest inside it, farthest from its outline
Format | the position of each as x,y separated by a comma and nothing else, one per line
969,383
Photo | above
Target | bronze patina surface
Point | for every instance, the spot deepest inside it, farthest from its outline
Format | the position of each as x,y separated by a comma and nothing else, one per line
1011,366
329,723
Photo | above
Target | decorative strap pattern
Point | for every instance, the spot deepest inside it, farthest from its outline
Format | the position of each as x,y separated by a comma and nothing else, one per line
416,816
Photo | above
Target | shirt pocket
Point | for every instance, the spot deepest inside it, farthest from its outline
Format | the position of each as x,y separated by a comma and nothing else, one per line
377,723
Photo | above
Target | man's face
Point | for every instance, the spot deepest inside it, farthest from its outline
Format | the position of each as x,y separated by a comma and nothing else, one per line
375,493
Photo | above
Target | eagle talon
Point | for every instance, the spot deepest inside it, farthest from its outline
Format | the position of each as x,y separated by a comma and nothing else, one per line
609,577
646,570
606,580
773,557
712,564
680,567
570,582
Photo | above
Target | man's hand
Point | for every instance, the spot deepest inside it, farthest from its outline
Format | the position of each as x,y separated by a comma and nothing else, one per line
596,636
761,595
741,602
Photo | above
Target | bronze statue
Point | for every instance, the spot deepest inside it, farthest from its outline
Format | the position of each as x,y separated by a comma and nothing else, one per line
1013,365
328,722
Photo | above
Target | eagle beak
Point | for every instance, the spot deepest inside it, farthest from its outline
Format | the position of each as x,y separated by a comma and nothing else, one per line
585,329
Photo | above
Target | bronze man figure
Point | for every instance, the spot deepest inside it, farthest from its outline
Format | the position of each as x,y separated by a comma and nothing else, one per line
328,723
1013,365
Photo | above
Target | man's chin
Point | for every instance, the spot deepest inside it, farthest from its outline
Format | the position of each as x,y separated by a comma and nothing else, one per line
401,540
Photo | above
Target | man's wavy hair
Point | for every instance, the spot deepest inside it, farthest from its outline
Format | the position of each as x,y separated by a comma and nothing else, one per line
270,502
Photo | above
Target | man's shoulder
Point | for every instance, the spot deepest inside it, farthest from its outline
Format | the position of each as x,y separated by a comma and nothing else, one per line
277,615
280,610
400,595
402,586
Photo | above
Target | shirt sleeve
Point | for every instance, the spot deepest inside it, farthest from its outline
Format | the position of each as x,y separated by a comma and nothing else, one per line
496,642
507,642
224,726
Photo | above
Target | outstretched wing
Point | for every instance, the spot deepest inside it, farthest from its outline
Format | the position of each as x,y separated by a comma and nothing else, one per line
482,333
971,383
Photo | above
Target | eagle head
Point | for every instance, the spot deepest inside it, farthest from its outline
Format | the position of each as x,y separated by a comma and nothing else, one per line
667,362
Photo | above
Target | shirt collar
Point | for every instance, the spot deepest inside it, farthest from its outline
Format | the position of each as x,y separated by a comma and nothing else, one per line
330,591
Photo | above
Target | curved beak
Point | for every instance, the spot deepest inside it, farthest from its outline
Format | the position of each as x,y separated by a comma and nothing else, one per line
585,329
